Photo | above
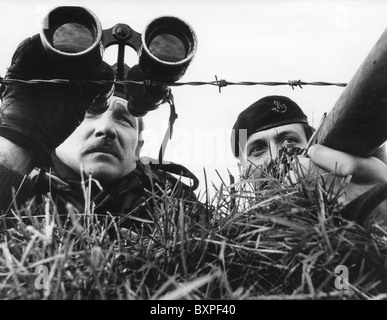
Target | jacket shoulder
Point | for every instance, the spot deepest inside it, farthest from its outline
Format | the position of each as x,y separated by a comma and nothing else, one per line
170,176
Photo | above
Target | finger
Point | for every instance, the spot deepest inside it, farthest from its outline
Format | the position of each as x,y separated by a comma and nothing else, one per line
300,169
344,164
304,166
304,163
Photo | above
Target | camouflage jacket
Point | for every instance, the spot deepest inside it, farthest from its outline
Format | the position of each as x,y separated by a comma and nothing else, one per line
132,198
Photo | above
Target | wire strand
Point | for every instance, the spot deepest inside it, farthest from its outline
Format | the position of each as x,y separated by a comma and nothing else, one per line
219,83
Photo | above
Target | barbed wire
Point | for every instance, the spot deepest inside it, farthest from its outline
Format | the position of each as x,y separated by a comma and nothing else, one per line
219,83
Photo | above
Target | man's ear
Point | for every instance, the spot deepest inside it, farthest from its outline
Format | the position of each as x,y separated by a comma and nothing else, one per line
139,147
241,166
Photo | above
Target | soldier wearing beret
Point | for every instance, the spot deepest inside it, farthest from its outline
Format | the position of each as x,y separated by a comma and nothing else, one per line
276,123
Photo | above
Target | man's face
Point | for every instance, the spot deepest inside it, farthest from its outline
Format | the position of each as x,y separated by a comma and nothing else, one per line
263,146
106,144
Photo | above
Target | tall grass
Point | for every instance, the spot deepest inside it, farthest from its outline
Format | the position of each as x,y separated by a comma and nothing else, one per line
278,241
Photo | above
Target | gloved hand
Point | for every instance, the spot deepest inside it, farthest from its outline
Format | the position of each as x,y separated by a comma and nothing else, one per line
142,99
41,116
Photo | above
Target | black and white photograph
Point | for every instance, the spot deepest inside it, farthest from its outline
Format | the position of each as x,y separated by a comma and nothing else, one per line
199,152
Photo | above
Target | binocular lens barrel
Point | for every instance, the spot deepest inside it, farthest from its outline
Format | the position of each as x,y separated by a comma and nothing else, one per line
74,38
73,32
168,47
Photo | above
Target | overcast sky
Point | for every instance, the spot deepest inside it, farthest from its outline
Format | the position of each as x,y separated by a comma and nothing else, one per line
241,40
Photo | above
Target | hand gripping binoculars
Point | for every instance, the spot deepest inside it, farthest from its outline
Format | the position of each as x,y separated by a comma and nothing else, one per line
74,35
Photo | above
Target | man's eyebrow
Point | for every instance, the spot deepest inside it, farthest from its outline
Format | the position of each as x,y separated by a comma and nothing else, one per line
283,134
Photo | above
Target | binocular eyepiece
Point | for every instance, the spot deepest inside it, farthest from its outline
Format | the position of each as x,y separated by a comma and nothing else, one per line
74,35
168,47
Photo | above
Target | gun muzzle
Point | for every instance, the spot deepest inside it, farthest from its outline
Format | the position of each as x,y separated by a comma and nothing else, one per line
73,34
168,47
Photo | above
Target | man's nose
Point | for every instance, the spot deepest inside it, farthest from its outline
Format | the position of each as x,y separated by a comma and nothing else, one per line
105,128
273,151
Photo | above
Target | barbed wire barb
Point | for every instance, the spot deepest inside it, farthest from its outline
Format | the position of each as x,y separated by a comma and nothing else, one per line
220,83
295,83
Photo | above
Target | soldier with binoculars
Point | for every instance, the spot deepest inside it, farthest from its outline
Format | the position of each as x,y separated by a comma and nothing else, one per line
80,130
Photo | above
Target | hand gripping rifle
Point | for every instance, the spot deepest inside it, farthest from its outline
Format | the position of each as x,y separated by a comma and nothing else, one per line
357,124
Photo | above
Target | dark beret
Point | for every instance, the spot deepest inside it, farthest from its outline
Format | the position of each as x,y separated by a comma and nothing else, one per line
266,113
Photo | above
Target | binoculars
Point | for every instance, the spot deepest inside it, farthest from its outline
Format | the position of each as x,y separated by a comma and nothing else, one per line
74,36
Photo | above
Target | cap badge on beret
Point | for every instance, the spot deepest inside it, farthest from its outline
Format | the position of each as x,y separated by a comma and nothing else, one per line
279,107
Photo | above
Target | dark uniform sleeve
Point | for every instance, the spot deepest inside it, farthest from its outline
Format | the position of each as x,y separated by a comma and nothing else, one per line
13,186
370,208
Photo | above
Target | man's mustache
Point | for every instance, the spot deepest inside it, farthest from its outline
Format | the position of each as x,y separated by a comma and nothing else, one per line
104,146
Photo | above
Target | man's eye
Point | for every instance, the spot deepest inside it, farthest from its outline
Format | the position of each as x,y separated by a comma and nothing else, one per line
288,142
125,120
90,115
256,151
